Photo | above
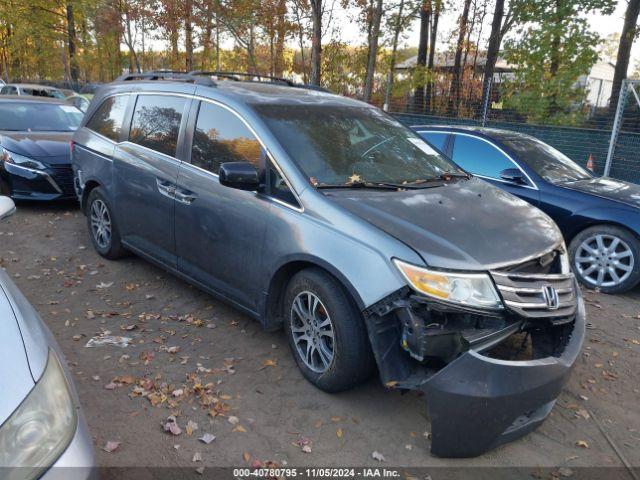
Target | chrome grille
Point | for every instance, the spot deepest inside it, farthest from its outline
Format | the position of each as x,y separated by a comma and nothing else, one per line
537,295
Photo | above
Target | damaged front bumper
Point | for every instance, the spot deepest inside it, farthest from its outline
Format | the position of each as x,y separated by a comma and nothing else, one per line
475,401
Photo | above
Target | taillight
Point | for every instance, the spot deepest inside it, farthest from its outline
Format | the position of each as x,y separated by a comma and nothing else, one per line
71,145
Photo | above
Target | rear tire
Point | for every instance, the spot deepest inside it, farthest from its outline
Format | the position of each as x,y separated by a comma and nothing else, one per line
103,228
607,258
326,332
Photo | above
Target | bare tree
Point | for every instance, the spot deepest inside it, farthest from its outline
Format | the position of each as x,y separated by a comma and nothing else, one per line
629,32
454,95
372,55
316,41
421,60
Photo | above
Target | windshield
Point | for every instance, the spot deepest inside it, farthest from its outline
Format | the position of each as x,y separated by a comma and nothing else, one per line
347,145
39,117
551,164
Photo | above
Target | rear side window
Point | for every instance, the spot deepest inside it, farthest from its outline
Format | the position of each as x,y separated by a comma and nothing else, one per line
221,136
436,139
8,91
479,157
109,117
156,122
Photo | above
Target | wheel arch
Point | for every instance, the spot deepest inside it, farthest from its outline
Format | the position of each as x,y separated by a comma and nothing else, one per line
274,297
88,187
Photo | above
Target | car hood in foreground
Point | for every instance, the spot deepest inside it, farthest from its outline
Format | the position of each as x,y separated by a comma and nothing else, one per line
465,225
39,145
609,188
16,380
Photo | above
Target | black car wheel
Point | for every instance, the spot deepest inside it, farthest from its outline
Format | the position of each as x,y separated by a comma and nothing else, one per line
102,226
607,258
326,332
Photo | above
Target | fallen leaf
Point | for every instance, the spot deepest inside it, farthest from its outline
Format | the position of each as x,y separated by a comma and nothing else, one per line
233,420
111,446
339,433
197,457
171,426
306,448
178,392
239,428
582,443
378,456
207,438
191,427
246,456
103,285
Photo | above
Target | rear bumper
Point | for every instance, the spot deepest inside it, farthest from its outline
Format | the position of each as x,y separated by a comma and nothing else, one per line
477,403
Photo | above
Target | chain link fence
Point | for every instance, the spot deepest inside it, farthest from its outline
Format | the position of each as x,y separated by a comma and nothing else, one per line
582,128
623,157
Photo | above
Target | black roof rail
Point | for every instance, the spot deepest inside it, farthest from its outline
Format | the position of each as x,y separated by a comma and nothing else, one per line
166,75
248,76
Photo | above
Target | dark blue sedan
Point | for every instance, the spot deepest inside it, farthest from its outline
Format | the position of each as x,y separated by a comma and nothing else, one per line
599,217
35,157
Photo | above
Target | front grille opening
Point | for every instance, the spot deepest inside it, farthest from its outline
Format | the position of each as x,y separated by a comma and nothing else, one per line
546,264
518,347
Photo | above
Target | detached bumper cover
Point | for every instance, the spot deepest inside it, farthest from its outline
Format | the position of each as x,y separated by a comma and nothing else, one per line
477,403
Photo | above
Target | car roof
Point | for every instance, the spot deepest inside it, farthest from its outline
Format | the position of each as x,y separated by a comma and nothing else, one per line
30,98
487,132
31,85
247,92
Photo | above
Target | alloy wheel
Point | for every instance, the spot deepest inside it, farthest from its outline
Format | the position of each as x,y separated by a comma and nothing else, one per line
312,331
100,223
604,260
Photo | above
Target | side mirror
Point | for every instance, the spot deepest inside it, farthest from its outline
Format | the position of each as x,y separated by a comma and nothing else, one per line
513,175
240,175
7,207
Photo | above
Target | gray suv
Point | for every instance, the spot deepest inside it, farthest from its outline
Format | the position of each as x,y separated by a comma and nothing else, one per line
325,216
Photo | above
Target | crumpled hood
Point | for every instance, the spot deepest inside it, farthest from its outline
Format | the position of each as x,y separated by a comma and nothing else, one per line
16,380
609,188
39,145
465,225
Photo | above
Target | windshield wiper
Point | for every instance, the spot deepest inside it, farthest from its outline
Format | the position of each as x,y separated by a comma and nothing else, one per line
436,178
374,185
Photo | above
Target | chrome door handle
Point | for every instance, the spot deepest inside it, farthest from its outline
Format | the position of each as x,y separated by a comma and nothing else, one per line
166,188
184,196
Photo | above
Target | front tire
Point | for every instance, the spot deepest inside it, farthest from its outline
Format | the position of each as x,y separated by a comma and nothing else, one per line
103,228
606,258
326,332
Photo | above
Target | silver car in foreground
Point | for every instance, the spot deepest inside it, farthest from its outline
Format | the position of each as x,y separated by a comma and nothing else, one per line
42,431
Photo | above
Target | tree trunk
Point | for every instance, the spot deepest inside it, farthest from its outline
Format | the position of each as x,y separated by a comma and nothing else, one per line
495,39
301,40
629,31
207,36
432,52
281,33
457,64
373,50
392,60
188,34
421,61
71,44
316,42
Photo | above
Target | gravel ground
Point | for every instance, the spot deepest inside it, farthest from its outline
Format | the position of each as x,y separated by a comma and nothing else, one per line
217,372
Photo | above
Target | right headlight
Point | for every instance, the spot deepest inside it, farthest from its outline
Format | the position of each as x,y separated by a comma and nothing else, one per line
469,289
41,428
20,160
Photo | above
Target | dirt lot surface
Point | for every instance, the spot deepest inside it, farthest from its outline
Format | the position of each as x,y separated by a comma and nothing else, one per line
198,359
